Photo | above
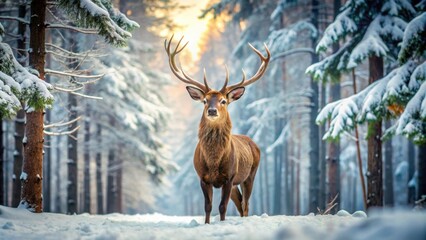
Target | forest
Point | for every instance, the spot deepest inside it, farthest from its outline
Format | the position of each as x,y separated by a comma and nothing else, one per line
94,121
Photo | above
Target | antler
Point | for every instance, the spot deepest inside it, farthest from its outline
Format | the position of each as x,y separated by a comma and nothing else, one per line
179,73
257,76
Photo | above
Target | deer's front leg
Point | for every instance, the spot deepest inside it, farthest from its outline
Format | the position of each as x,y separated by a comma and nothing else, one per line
226,193
208,194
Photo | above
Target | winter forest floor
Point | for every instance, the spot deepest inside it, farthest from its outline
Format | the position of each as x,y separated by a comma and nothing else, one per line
21,224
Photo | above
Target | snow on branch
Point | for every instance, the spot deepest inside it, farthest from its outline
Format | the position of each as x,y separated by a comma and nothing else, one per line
291,52
370,104
371,44
33,90
15,19
412,121
330,68
68,74
342,113
75,29
280,139
61,124
413,43
342,25
61,133
100,14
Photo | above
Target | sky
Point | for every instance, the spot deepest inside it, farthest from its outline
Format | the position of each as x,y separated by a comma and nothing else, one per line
193,27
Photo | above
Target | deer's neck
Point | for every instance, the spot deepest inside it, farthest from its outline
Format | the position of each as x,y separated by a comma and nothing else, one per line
215,138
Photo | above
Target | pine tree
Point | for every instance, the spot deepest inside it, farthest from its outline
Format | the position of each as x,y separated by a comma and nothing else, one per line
385,24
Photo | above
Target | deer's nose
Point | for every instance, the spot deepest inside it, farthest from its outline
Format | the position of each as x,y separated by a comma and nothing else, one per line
212,112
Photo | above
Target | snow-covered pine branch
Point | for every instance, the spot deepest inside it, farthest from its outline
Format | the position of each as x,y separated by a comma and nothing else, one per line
379,37
114,26
19,83
342,25
343,113
413,120
413,43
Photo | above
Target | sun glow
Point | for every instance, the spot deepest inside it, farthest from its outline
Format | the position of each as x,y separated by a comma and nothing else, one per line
192,26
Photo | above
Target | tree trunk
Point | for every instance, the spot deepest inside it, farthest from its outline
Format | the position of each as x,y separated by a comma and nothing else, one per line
58,175
421,171
277,172
87,161
119,184
99,184
47,193
32,169
72,190
389,199
20,115
314,130
333,159
411,195
111,177
322,199
2,164
298,175
290,160
375,171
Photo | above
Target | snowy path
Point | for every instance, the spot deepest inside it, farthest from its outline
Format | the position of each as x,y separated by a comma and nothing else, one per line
20,224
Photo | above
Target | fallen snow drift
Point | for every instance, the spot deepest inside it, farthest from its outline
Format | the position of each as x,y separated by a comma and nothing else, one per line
21,224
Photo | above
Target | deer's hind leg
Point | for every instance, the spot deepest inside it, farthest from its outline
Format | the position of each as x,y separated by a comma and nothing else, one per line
246,188
237,198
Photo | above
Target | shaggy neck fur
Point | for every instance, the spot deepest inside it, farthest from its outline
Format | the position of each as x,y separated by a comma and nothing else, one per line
215,138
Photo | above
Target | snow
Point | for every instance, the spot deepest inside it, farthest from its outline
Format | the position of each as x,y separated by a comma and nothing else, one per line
21,224
23,176
411,34
342,24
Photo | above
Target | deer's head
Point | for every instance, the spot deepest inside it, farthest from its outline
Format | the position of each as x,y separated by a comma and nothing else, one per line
215,101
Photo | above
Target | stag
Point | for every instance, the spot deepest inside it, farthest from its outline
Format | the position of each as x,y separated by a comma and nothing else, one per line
221,160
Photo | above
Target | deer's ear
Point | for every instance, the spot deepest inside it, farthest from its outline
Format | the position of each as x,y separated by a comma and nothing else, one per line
235,94
195,93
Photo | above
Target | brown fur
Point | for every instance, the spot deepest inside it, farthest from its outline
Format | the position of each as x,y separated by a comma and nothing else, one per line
224,160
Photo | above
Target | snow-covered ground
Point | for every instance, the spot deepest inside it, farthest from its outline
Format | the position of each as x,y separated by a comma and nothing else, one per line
21,224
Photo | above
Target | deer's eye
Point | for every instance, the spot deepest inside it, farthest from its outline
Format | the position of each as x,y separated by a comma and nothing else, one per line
223,102
204,101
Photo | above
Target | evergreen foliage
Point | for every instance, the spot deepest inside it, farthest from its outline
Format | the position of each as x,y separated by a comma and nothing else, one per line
19,84
394,33
110,23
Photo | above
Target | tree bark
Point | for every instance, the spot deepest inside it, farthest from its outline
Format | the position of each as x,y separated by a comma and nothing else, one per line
421,171
3,200
111,178
58,175
99,184
411,195
333,159
72,189
87,161
20,115
389,199
277,172
322,198
375,171
32,169
119,184
314,130
47,192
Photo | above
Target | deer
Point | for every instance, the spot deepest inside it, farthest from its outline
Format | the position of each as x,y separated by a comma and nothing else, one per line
221,159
